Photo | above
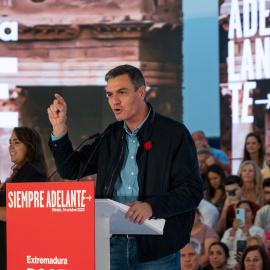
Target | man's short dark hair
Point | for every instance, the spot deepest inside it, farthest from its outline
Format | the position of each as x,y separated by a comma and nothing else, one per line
134,74
233,179
266,182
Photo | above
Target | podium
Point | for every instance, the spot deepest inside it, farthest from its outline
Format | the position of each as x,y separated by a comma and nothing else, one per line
51,226
110,219
60,226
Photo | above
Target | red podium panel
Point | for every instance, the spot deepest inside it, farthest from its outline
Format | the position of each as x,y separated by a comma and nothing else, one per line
50,226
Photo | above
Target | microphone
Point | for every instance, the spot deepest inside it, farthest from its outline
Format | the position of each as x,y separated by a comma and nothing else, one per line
89,159
89,138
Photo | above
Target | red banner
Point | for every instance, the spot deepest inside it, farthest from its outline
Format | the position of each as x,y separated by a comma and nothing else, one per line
50,226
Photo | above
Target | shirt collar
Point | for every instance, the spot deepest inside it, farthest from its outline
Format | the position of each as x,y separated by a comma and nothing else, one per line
135,131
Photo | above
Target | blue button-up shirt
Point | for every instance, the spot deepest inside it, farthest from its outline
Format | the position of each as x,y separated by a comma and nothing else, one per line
126,188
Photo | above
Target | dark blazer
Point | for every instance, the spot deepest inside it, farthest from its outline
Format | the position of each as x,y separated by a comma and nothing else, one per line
27,173
168,177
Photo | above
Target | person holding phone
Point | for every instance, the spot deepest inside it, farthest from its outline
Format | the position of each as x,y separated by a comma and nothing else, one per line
234,194
241,229
251,241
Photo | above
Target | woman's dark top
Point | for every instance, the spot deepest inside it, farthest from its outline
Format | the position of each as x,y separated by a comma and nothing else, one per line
27,173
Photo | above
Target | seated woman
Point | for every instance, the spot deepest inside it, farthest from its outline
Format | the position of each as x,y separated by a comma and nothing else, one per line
254,240
206,236
215,191
255,257
27,154
254,149
240,231
218,255
252,182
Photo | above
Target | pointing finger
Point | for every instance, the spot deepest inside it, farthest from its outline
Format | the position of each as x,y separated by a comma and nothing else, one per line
60,100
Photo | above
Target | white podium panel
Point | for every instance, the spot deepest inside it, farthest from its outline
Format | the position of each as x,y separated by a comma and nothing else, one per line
110,219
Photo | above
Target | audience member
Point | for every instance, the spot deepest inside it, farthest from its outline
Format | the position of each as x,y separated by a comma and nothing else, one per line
255,258
215,191
266,171
27,153
144,160
203,156
263,215
240,231
218,156
233,184
258,241
206,236
209,214
254,240
267,242
190,256
254,149
218,255
252,181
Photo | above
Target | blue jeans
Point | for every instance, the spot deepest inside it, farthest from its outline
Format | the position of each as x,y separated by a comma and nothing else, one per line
124,255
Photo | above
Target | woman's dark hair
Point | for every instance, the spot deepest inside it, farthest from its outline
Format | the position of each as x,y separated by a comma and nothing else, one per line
224,246
32,139
35,150
246,155
210,191
247,202
263,253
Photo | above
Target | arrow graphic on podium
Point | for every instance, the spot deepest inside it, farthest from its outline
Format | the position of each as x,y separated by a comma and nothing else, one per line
89,198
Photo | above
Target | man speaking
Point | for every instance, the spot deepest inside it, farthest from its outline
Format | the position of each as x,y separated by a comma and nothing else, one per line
145,160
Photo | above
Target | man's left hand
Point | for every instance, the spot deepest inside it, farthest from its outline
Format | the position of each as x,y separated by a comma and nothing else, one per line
210,161
139,212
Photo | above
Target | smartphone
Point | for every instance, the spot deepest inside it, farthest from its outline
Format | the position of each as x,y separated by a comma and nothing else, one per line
240,214
240,245
231,192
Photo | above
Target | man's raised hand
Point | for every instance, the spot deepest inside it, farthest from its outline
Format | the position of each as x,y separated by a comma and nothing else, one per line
57,113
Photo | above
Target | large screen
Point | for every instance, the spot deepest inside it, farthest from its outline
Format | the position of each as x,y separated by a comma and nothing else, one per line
67,47
244,74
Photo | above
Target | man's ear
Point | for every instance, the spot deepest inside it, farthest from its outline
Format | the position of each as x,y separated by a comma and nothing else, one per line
142,91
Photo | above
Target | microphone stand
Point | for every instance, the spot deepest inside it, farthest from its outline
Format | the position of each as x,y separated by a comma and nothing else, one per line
89,138
89,159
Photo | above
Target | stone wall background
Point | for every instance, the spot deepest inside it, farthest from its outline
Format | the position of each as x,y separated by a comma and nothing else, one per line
68,46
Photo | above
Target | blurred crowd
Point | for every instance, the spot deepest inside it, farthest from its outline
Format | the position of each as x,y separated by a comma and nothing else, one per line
231,230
